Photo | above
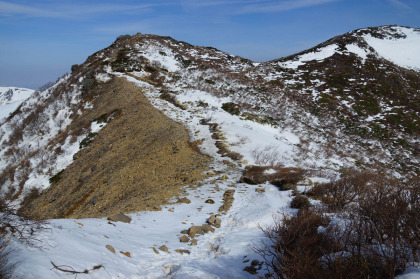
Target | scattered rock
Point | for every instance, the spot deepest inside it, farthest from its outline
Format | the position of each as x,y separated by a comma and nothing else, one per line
254,267
217,223
193,242
53,198
260,190
110,248
184,200
182,251
184,238
154,250
184,231
210,201
120,217
195,230
211,219
94,200
127,254
227,200
164,248
207,228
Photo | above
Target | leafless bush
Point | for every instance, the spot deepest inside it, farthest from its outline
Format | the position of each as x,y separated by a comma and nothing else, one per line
6,266
341,192
266,156
276,175
377,236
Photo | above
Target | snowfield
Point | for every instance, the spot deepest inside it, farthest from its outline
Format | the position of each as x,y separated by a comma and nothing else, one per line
11,98
132,250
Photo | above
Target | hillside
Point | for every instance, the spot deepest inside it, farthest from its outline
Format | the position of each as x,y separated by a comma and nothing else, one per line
11,98
165,132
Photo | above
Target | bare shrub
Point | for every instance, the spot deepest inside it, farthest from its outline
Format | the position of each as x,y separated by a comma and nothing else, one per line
6,266
341,192
276,175
294,246
266,156
377,236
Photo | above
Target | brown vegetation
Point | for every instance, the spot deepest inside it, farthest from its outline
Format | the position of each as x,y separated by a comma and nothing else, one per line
137,162
376,237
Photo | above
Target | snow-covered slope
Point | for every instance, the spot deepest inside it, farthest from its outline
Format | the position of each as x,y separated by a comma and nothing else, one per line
399,45
337,105
11,98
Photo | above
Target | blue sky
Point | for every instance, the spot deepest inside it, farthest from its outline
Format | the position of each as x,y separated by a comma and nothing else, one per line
41,39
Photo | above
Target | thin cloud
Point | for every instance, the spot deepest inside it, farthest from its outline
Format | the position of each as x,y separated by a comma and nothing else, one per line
65,11
280,6
400,4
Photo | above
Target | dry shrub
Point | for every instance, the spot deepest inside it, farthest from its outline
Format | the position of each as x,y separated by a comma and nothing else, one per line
339,193
377,236
278,176
300,202
171,99
6,266
294,246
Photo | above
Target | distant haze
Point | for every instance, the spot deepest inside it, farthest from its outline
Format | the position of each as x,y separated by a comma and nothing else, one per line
40,40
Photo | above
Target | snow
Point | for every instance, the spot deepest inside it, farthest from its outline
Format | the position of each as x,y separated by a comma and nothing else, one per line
318,55
103,77
403,51
81,243
353,48
11,98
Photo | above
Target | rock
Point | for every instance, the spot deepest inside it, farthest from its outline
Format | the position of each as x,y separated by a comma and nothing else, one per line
184,238
207,228
53,198
210,201
93,168
184,200
211,219
156,251
193,242
182,251
195,230
110,248
127,254
120,217
94,200
217,223
260,190
184,231
164,248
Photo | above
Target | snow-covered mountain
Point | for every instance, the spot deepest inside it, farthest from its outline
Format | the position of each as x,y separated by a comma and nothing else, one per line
11,98
123,131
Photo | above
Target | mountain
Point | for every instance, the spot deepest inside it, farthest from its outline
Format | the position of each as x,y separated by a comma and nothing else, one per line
11,98
164,130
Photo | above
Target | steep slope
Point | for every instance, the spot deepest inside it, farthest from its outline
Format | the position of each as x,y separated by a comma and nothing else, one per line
339,104
119,153
11,98
363,86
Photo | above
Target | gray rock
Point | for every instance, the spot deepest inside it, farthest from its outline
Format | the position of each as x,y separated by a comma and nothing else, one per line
120,217
164,248
184,238
110,248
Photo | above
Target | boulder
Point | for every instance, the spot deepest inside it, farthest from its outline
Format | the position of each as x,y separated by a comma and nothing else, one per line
110,248
184,238
120,217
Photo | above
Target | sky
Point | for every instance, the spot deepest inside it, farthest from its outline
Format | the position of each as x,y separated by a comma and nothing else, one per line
41,39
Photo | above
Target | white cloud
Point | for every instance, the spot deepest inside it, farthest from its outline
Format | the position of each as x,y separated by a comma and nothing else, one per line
64,11
400,4
280,6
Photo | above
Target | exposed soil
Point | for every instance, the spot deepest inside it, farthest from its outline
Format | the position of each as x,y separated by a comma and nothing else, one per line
138,161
